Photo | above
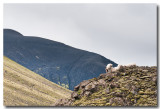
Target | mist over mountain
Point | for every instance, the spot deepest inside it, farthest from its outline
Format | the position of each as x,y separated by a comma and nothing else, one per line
57,62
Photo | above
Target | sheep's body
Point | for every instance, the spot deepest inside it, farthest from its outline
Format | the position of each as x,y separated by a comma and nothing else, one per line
114,69
117,68
110,68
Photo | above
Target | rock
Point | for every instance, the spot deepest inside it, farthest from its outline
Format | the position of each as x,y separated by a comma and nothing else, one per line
145,71
117,100
154,79
133,78
117,85
90,87
95,82
101,82
111,101
87,93
114,85
128,86
107,90
134,90
110,76
84,83
115,79
76,88
68,103
102,76
118,94
118,74
74,95
121,69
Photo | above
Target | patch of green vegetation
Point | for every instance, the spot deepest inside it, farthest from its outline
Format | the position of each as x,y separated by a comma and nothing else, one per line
79,91
93,79
65,85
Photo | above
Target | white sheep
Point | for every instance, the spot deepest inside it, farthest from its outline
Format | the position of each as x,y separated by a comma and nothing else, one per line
117,68
110,68
131,64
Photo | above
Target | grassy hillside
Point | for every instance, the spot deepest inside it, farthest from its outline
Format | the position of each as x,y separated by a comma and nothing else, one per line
23,87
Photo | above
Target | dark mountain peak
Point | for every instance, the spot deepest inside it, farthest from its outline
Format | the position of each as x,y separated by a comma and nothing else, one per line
11,32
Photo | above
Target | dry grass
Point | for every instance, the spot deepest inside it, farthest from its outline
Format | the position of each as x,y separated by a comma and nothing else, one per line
23,87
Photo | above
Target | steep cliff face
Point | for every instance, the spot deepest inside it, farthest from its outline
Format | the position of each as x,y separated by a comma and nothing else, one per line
57,62
130,86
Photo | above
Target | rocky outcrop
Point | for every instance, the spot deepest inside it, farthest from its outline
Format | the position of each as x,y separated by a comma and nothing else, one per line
130,86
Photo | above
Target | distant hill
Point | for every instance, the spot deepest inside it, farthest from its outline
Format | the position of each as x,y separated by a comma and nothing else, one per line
23,87
57,62
130,86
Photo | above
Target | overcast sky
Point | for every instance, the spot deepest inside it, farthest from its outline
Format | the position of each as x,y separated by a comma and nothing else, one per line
124,33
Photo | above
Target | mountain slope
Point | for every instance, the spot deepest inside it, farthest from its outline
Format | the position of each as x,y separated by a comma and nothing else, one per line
57,62
130,86
23,87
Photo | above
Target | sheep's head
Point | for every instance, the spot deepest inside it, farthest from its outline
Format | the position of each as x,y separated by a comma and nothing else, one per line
109,66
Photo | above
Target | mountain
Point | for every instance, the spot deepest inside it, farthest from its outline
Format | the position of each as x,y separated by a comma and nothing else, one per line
130,86
55,61
22,87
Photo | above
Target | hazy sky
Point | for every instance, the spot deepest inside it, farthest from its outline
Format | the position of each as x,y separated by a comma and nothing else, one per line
124,33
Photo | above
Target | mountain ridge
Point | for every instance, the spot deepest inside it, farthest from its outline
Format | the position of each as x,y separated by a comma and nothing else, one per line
51,41
53,60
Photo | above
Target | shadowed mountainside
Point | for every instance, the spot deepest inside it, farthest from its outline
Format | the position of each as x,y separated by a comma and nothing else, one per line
22,87
55,61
